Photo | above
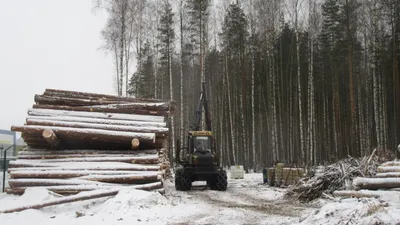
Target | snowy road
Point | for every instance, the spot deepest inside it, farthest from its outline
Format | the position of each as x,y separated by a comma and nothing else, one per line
245,202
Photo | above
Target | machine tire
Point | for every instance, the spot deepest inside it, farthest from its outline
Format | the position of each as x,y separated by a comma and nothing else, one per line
178,184
221,181
182,181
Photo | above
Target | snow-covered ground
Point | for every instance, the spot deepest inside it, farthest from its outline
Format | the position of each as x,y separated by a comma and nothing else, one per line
246,201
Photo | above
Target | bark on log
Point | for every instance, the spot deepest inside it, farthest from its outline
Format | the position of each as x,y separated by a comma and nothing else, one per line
162,106
138,129
51,138
57,168
355,194
68,156
151,159
106,110
124,179
86,95
34,151
87,134
79,197
53,182
135,143
65,174
100,121
389,174
99,115
86,165
55,100
73,189
387,169
99,145
376,183
391,163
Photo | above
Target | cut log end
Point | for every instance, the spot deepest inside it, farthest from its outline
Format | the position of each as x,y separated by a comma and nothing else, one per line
51,138
135,143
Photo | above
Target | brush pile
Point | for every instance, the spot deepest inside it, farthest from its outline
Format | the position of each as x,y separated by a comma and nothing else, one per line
324,180
84,141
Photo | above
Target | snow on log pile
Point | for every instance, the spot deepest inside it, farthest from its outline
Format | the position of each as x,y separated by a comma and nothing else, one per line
80,141
388,177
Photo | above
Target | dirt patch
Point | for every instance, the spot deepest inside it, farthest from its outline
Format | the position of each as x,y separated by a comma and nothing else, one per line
281,208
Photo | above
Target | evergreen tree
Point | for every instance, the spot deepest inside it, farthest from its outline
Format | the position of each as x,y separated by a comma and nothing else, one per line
166,35
142,81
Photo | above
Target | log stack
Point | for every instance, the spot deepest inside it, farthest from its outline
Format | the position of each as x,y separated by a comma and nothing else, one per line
387,177
79,141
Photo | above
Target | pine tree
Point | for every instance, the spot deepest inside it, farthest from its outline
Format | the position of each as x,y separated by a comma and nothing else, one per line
142,82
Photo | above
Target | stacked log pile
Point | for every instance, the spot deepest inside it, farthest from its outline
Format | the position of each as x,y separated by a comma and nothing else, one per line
388,177
80,141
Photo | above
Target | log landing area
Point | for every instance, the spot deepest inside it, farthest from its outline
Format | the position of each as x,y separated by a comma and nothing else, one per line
79,141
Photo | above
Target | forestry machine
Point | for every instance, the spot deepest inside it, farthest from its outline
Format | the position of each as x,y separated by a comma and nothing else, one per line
198,160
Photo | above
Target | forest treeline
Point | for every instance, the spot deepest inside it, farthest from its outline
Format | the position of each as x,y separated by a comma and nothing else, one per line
297,81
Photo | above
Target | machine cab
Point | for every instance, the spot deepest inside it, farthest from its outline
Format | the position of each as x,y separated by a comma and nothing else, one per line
200,141
201,146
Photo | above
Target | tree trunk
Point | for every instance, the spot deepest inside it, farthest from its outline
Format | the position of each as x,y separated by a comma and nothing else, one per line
160,131
105,110
67,133
63,200
95,121
51,113
376,183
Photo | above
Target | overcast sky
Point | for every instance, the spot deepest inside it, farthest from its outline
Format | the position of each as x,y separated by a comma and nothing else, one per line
49,44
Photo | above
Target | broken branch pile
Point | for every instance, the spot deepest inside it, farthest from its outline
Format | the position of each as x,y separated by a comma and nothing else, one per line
327,179
81,141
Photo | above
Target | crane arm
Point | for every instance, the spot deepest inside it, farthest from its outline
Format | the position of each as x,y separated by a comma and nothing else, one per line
202,102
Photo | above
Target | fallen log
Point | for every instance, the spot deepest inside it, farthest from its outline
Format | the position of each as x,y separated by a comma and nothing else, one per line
55,100
62,200
74,189
72,144
118,116
86,95
391,163
51,138
99,121
376,183
52,182
101,109
161,106
92,155
34,151
387,169
85,165
388,174
151,159
65,174
87,134
124,179
139,129
356,194
108,104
